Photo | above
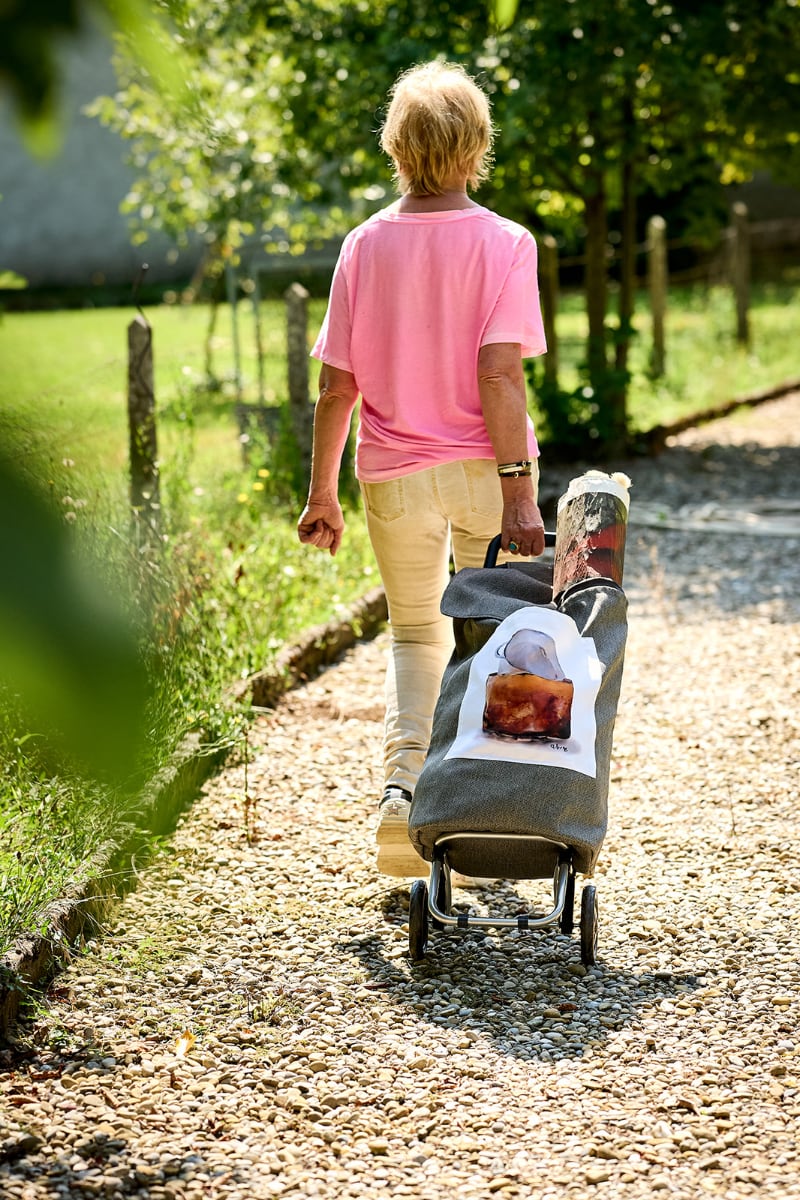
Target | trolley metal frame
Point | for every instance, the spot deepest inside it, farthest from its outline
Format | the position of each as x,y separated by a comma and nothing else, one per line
431,903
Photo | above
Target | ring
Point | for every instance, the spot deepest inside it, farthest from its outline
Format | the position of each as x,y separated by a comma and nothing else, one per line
513,547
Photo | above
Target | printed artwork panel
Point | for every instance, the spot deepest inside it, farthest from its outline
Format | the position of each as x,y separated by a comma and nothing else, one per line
531,694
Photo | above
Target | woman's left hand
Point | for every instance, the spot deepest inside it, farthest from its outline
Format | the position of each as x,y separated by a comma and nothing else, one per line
523,527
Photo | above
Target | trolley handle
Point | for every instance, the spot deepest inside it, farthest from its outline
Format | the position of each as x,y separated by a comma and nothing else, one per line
494,547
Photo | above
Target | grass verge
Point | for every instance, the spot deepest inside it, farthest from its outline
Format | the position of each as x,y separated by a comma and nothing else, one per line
217,598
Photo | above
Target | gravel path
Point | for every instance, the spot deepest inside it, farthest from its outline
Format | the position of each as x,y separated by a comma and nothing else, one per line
319,1061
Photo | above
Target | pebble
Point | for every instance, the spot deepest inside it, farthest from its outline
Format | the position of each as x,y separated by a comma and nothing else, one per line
326,1064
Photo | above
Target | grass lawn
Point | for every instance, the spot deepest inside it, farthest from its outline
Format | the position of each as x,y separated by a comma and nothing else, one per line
64,374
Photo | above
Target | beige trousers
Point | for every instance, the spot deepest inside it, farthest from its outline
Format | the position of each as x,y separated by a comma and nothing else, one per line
414,521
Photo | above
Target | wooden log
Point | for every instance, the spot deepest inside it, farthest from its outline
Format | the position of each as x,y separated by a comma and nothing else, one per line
590,530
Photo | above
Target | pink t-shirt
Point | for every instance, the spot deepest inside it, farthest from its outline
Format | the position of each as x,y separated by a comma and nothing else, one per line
414,297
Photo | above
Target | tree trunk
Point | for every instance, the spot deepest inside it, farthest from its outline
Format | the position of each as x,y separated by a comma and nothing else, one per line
657,284
596,281
616,397
610,395
627,281
741,272
548,276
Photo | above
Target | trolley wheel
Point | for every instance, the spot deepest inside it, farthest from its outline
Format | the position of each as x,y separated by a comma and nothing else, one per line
567,921
589,925
418,920
443,897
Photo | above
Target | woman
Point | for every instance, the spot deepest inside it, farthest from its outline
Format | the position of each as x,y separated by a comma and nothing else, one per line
433,305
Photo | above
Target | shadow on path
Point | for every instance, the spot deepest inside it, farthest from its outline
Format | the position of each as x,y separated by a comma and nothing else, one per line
527,992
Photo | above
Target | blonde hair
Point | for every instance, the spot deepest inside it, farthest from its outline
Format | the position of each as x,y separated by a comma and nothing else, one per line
438,124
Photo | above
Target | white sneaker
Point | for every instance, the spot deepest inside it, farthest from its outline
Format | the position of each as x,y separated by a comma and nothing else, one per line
396,855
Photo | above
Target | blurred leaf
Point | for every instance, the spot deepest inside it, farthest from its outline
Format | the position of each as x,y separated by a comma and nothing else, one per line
146,34
31,35
9,279
67,646
504,12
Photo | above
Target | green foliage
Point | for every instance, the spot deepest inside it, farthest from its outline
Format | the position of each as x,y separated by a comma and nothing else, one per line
705,365
226,164
229,589
504,12
209,169
52,830
579,423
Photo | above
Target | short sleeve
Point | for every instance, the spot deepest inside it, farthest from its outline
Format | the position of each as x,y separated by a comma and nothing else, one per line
517,314
333,342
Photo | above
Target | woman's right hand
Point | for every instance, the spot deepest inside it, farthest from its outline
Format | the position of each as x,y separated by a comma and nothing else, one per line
321,524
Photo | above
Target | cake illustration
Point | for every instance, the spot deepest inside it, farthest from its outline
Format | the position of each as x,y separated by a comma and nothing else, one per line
529,696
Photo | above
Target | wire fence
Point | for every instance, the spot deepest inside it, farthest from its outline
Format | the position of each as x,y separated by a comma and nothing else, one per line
728,262
764,235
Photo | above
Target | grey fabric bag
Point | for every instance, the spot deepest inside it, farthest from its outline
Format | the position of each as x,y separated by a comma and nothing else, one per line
471,795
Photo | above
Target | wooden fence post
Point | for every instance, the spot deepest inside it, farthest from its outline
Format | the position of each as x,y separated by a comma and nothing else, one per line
232,288
657,284
548,275
258,334
144,491
300,409
741,272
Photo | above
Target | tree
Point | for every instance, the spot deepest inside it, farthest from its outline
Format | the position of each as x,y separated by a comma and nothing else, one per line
595,102
221,166
230,163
